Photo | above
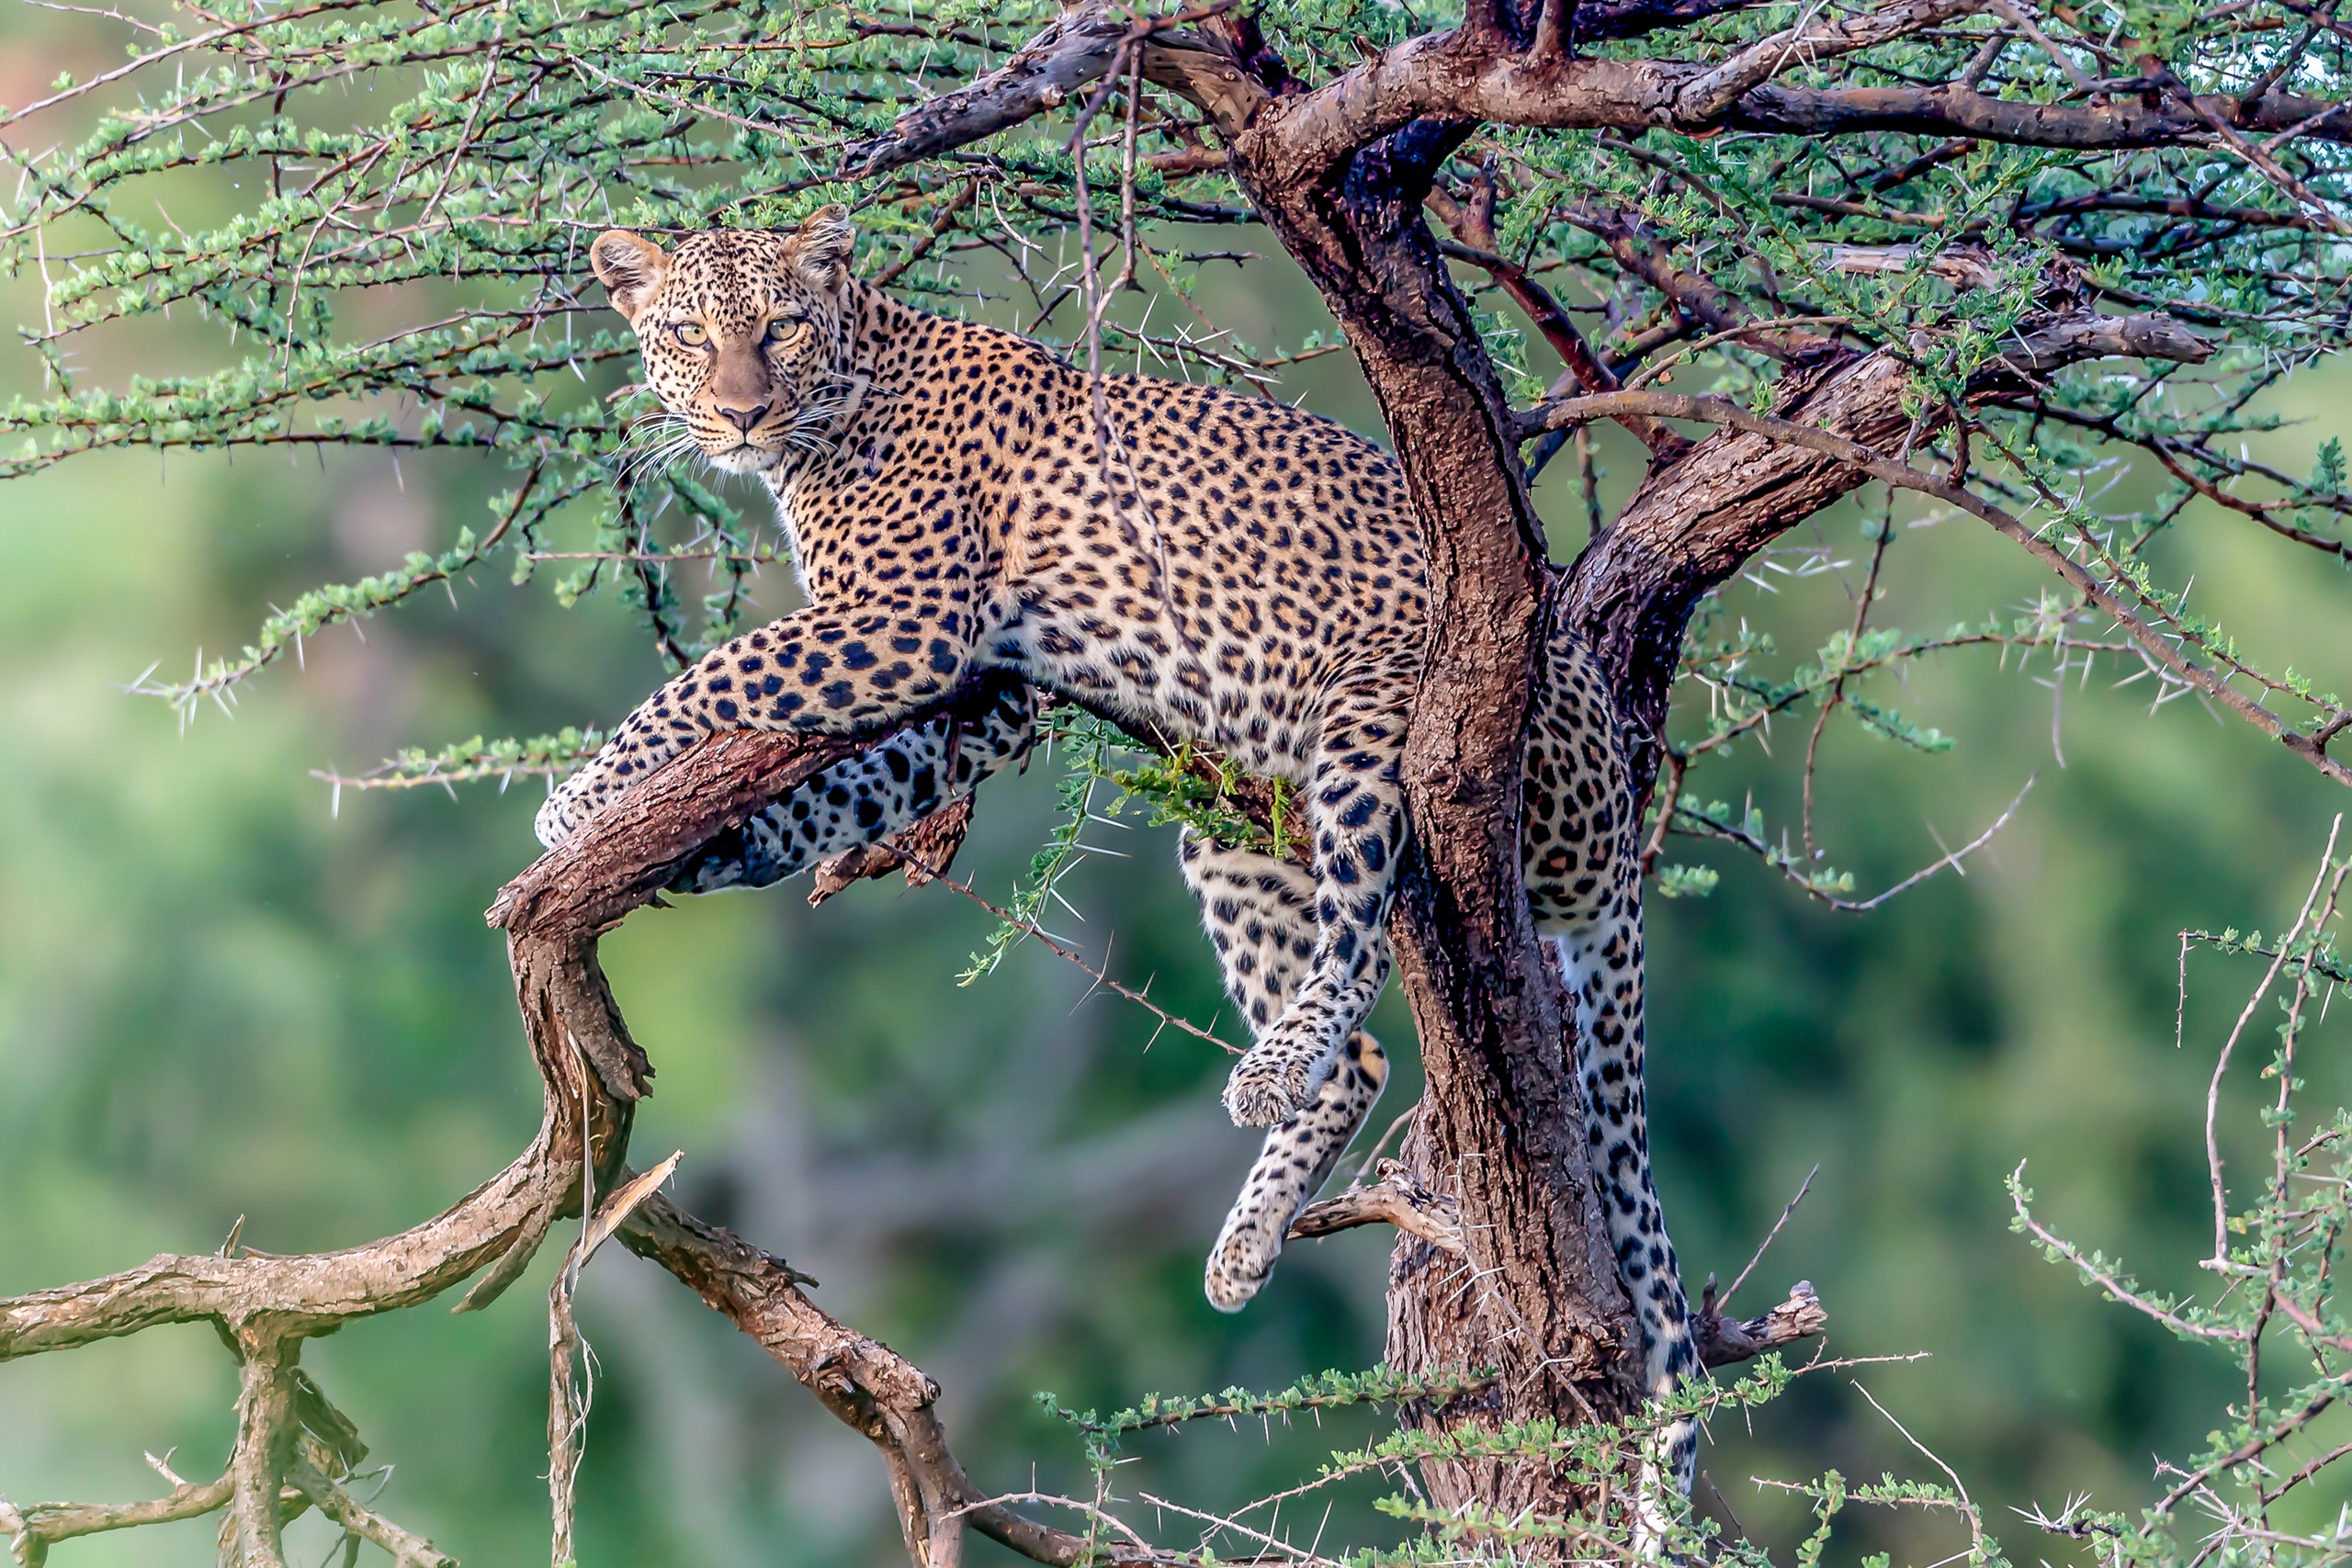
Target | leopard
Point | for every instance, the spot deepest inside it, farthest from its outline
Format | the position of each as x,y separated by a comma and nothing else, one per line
1193,562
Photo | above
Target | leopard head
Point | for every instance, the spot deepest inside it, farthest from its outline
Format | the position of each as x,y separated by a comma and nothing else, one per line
746,335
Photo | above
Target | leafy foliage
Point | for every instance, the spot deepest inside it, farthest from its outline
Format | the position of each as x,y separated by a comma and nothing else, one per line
354,162
348,163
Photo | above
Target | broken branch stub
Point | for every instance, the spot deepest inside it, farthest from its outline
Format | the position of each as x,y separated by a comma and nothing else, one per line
1399,1198
926,848
1724,1341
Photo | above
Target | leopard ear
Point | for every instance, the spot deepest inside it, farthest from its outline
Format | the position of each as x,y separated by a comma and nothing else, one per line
821,250
630,267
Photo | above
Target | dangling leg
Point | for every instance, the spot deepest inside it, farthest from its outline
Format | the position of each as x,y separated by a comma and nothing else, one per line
1356,807
1584,883
1602,965
1258,911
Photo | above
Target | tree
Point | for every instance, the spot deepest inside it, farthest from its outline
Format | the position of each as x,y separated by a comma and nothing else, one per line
1966,250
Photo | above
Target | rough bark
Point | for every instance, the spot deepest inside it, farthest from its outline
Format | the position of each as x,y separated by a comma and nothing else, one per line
1536,1297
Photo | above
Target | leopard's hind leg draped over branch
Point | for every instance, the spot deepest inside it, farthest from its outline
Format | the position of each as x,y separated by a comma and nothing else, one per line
871,795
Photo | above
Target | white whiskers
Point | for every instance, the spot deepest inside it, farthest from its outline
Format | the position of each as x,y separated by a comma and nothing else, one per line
659,442
821,404
654,445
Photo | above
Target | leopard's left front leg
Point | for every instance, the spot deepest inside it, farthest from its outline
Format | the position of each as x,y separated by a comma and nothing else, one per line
826,670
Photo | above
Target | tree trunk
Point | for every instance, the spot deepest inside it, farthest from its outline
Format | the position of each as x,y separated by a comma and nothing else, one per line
1340,175
1537,1298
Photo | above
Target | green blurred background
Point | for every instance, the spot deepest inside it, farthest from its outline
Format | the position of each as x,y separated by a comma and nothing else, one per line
219,998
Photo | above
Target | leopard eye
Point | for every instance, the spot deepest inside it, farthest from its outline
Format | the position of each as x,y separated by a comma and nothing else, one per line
784,328
693,334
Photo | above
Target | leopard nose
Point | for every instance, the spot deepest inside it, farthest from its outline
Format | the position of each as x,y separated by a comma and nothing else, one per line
744,420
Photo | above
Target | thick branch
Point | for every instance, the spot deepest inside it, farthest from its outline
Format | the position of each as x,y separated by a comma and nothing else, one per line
1690,527
265,1433
311,1293
1443,74
640,840
1953,109
1068,52
2161,650
560,903
1502,1122
1463,77
35,1527
1812,40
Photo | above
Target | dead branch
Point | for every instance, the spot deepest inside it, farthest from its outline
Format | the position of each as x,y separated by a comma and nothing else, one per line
293,1447
869,1387
1399,1198
1724,1340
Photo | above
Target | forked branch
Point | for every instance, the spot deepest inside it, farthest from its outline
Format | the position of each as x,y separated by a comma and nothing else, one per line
293,1450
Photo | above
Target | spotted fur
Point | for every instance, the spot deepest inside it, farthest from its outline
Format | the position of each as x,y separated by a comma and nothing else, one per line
1211,567
869,797
1260,914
